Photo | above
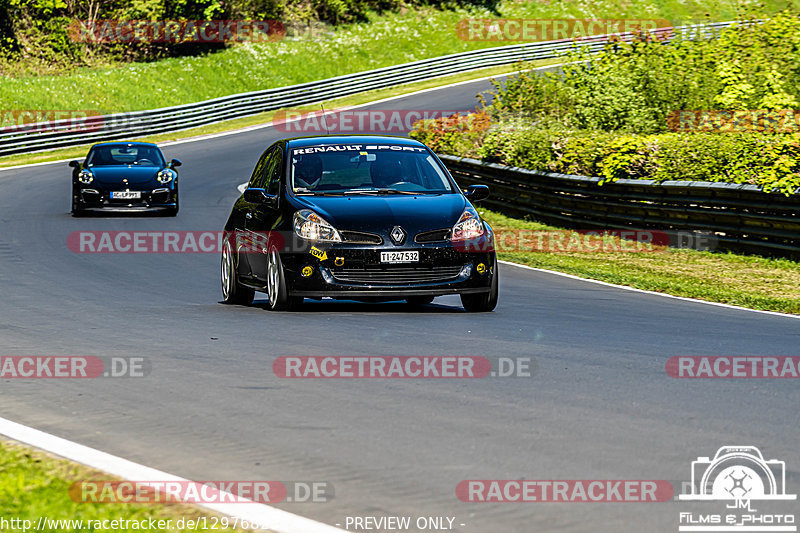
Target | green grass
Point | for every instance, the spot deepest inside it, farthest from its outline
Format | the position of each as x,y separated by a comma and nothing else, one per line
34,484
744,280
386,40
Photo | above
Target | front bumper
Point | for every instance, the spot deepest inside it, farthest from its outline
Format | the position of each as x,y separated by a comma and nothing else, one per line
96,198
351,271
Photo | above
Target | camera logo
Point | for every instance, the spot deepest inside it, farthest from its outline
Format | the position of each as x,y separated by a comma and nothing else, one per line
738,476
738,473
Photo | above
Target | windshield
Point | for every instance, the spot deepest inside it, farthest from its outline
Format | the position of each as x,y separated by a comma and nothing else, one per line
124,155
367,169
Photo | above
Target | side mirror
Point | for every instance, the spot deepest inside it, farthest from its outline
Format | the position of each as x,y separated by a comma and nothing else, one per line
74,164
175,163
260,197
476,193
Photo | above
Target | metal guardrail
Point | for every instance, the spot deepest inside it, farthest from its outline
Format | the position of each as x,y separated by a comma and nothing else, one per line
734,217
63,133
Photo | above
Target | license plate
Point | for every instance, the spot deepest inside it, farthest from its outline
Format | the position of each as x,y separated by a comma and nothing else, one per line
126,195
399,257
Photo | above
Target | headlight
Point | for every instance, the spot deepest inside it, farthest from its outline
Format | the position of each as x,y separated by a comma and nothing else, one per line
469,226
85,177
311,226
165,176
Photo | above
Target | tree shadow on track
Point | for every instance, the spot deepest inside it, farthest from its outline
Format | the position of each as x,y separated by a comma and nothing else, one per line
149,213
350,306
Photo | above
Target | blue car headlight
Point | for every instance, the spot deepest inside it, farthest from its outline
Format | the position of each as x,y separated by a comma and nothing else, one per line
165,176
85,177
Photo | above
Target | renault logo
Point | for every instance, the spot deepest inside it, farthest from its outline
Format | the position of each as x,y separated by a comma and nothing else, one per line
398,235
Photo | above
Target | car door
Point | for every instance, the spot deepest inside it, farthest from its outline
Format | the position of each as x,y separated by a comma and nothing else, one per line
247,242
263,217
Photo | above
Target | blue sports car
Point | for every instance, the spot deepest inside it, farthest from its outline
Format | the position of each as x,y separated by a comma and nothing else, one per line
122,176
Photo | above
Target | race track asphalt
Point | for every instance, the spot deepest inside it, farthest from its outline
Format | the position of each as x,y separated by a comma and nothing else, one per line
600,405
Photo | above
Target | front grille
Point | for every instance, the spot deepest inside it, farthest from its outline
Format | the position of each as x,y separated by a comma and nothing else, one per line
160,196
90,195
358,237
397,275
436,235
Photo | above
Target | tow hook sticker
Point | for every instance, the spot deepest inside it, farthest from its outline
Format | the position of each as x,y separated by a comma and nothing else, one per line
319,254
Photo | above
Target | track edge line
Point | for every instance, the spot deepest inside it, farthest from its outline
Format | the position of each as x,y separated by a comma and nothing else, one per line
267,517
654,293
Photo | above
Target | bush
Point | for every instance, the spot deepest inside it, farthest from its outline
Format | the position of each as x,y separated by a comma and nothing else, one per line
606,115
456,134
769,161
631,87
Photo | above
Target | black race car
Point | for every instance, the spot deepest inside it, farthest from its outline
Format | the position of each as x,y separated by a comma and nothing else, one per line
125,177
358,218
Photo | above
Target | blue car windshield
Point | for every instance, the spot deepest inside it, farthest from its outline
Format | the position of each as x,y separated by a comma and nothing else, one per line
366,169
125,154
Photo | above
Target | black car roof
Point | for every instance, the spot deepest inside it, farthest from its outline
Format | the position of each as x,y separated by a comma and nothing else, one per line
119,143
318,140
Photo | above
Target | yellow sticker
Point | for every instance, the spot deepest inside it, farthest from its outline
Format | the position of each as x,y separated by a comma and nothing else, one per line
307,271
481,268
319,254
339,261
362,153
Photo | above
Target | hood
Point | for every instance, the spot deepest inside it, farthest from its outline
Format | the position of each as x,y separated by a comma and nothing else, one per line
379,214
111,175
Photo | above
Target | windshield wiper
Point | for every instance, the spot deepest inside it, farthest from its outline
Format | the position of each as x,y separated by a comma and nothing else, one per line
306,192
381,191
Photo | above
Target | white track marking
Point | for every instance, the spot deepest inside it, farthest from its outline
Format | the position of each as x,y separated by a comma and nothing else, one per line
663,295
29,165
267,517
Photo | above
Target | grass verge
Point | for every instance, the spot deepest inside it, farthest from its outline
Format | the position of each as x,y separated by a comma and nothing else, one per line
744,280
35,484
388,39
79,152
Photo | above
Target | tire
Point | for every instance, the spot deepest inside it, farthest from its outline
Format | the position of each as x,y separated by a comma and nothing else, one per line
419,301
485,301
277,291
173,211
76,209
232,291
